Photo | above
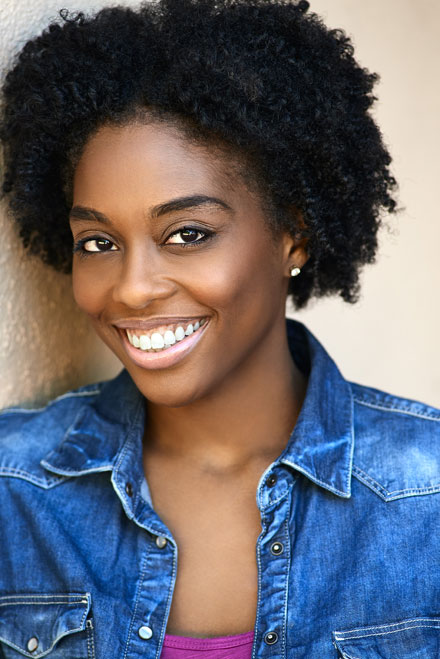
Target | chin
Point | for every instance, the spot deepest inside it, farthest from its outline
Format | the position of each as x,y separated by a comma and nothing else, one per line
170,391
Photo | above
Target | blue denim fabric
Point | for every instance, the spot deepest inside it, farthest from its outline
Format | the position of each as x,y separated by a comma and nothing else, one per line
348,557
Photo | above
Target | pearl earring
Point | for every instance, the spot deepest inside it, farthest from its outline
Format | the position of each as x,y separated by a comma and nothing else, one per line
294,271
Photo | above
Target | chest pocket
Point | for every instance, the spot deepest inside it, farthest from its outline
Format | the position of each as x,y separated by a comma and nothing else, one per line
56,626
417,638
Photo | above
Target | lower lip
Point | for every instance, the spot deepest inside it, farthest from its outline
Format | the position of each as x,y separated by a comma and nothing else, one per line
163,358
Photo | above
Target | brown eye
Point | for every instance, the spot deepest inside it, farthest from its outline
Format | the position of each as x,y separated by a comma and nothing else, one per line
186,235
98,245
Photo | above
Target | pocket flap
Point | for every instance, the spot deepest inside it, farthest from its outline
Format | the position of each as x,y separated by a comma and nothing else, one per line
33,624
416,638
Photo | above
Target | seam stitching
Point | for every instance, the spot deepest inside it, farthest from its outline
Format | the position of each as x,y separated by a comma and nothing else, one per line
386,494
327,486
257,617
138,595
25,410
389,408
391,631
169,598
405,624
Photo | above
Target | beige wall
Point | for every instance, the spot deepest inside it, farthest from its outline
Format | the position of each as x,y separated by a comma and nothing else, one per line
391,338
388,340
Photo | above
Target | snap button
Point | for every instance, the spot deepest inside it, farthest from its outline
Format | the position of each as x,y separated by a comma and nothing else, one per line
277,548
272,479
32,644
145,632
271,638
129,489
161,541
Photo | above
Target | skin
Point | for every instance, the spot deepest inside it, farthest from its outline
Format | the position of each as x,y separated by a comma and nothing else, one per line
221,415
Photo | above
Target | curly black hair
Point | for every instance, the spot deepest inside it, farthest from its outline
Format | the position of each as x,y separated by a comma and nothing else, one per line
265,78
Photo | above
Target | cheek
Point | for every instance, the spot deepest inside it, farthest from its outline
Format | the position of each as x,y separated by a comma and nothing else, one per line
90,288
236,280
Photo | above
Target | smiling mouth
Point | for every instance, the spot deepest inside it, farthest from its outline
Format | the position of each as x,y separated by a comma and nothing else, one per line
162,338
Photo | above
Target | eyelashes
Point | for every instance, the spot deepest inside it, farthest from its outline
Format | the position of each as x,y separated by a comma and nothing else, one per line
96,245
100,245
187,232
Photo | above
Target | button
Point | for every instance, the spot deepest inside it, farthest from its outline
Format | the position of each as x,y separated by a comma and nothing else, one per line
32,644
271,638
277,548
129,489
161,541
272,479
145,632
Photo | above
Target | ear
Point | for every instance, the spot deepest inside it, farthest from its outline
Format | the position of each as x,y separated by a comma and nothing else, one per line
295,243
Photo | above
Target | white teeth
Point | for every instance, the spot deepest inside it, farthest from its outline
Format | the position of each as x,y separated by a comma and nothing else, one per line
169,338
179,333
157,341
144,342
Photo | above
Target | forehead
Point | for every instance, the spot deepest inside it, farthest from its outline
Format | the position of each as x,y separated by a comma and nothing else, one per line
138,160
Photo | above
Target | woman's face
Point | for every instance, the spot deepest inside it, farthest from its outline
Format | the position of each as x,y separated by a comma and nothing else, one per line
168,239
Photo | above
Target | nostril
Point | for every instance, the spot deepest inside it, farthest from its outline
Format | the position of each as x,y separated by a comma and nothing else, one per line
138,292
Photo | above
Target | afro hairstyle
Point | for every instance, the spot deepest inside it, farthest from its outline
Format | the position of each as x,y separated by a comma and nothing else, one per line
265,78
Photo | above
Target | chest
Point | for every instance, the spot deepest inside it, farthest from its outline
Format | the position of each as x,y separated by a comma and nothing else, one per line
216,526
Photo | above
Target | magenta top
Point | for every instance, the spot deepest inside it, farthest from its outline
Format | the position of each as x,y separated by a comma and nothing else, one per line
220,647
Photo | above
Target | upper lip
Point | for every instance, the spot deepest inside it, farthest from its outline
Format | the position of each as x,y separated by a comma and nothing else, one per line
146,324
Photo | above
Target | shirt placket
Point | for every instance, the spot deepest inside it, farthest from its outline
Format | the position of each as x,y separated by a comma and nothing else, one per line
273,557
157,559
153,599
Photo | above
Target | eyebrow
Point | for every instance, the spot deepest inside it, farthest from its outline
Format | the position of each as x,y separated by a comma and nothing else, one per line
84,213
181,203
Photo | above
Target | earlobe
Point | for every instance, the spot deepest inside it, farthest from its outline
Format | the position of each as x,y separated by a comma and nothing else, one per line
296,255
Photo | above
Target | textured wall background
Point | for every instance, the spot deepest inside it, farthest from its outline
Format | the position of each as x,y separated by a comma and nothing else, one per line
389,340
46,346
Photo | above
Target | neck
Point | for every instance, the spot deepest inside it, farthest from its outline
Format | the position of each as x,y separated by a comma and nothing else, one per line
248,419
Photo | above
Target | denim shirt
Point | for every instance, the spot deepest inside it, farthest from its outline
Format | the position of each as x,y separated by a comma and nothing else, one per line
348,555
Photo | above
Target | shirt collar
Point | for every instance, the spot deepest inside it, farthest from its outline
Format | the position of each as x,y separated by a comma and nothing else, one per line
322,442
100,430
320,446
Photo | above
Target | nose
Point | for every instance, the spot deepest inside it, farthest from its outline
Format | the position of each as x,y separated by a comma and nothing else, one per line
141,280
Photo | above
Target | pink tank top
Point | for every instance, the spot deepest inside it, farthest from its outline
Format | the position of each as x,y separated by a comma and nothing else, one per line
220,647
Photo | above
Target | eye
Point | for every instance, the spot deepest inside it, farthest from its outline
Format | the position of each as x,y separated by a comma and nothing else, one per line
95,245
187,236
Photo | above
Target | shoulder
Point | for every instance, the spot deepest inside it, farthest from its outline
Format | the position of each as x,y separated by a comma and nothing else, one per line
397,444
27,435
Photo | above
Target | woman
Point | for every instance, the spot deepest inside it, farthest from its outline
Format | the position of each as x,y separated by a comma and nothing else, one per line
229,494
